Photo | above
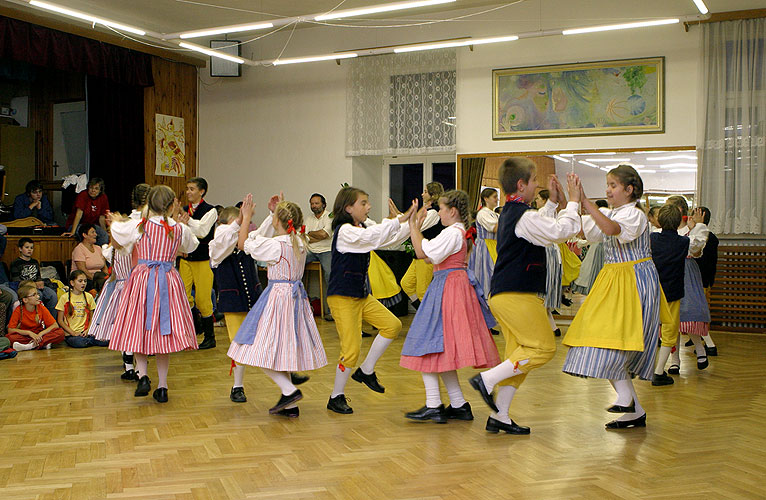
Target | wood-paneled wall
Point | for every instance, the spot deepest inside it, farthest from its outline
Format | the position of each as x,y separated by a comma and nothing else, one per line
545,167
174,93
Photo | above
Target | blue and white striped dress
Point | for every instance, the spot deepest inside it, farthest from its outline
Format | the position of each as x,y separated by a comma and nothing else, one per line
480,261
616,364
553,271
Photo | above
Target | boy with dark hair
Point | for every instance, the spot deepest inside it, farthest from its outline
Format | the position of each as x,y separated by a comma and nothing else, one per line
26,268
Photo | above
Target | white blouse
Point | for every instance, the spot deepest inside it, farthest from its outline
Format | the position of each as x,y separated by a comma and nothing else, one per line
542,229
126,233
488,219
631,219
201,227
446,243
697,238
267,249
226,236
355,239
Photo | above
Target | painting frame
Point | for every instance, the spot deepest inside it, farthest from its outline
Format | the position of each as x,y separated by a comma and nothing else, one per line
652,110
170,145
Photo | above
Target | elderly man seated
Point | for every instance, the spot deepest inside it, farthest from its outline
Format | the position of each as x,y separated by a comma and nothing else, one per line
319,233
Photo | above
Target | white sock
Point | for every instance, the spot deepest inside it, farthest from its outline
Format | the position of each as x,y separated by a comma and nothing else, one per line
675,358
639,409
341,377
282,379
431,382
624,391
503,400
239,375
708,340
163,363
451,382
662,358
378,347
18,346
413,297
699,346
551,321
142,364
504,370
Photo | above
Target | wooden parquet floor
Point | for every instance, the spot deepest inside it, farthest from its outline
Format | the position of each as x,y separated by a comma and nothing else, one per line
71,429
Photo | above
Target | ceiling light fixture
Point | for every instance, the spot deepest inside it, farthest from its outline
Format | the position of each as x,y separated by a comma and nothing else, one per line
672,157
588,164
212,53
701,6
330,57
455,43
86,17
375,9
682,170
561,158
226,29
610,27
682,165
618,160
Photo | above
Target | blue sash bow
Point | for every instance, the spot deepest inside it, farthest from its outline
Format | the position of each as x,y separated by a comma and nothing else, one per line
164,303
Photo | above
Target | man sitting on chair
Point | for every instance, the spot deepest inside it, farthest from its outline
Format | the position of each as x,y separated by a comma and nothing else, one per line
319,232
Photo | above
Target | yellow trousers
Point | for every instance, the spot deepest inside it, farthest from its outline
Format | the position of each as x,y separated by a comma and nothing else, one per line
669,331
528,336
348,313
198,274
233,322
417,278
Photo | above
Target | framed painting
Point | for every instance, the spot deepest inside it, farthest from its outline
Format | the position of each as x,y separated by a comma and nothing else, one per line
170,146
594,98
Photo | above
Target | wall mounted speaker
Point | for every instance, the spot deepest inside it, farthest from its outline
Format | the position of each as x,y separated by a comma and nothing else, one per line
221,67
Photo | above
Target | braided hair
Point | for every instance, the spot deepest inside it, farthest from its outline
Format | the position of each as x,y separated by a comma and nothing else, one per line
289,213
139,194
158,202
458,199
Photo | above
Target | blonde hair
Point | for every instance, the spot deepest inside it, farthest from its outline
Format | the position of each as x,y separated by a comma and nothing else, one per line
158,202
288,212
228,214
25,289
458,199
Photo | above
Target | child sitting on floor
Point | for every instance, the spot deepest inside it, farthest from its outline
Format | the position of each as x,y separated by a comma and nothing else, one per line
31,325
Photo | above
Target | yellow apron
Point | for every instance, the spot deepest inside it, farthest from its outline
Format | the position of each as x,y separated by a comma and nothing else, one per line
382,279
570,265
492,247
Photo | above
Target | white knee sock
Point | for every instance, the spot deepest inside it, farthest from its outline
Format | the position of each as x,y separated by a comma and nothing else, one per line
431,382
551,321
699,346
662,358
675,358
163,363
341,377
708,340
504,370
378,347
503,400
624,391
451,382
239,375
639,409
142,364
282,379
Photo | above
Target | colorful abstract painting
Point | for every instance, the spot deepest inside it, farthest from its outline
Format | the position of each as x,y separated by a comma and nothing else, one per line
170,146
597,98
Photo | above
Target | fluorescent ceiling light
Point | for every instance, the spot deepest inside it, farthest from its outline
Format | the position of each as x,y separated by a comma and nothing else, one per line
295,60
682,170
648,172
455,43
226,29
701,6
212,53
588,164
672,157
86,17
374,9
561,158
611,27
682,165
618,160
567,155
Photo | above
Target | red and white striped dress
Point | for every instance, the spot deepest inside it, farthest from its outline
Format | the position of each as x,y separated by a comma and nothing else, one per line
286,336
108,303
129,332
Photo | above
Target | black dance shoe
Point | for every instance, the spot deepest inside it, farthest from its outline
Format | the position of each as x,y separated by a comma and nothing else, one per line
338,405
366,335
494,332
689,343
662,379
627,424
370,380
238,395
711,351
702,362
160,395
566,301
298,379
289,412
674,370
623,409
416,304
130,375
478,383
143,387
460,413
557,332
437,414
286,401
127,359
495,426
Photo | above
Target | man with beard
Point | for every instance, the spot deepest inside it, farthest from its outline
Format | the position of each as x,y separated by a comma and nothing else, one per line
319,232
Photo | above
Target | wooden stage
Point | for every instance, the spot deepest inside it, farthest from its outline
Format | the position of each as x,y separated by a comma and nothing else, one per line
71,429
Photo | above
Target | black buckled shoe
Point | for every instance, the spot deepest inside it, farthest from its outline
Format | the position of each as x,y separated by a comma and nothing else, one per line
238,395
557,332
285,401
127,359
662,379
338,405
298,379
160,395
627,424
130,375
494,426
143,387
437,414
370,380
623,409
460,413
674,370
208,328
702,362
478,383
289,412
689,343
711,351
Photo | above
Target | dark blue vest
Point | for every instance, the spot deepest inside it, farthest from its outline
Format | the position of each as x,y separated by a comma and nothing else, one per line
433,231
238,284
669,251
348,272
520,265
202,252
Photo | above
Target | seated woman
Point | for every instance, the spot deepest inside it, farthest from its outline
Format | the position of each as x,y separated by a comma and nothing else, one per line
90,207
33,203
87,257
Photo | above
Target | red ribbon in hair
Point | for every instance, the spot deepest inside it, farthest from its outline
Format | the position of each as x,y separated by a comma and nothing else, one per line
290,227
471,234
168,229
303,229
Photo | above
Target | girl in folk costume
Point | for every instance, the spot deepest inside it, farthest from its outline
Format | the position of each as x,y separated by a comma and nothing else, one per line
123,260
518,284
279,334
420,273
153,316
348,295
483,257
614,334
553,269
451,328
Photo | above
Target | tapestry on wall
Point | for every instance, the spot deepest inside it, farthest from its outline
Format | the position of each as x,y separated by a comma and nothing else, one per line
170,146
594,98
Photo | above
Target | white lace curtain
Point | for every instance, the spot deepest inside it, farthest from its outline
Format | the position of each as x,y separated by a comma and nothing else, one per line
401,104
733,154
